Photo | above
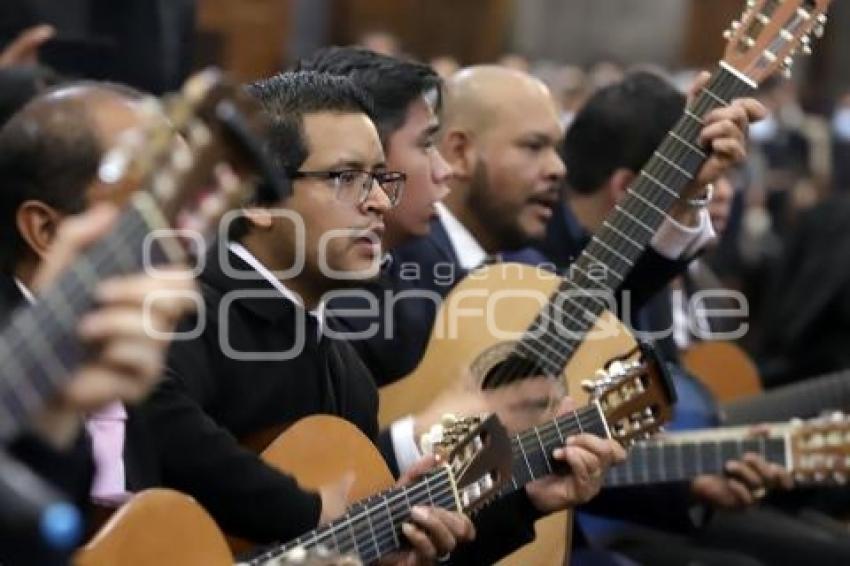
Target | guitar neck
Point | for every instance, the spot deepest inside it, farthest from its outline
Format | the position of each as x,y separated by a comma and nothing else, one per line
532,449
804,399
674,460
606,261
371,529
39,348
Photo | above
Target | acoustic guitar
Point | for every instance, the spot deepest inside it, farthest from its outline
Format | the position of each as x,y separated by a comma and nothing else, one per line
507,322
165,527
479,463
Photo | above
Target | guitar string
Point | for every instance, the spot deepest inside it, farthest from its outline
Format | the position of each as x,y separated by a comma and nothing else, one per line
620,474
677,155
568,429
422,487
353,532
383,534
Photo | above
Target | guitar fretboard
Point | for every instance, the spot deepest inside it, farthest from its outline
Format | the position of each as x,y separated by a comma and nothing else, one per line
532,449
39,349
371,528
602,267
662,461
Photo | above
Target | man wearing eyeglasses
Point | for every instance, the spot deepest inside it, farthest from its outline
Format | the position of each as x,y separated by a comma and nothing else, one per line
264,358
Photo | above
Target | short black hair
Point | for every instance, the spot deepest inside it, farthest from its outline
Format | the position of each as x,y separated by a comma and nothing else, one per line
621,125
286,98
50,152
392,83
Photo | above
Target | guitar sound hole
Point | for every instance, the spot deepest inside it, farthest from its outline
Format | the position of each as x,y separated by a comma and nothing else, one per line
511,369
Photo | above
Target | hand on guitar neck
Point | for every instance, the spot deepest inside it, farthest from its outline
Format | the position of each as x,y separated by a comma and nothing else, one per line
434,532
725,133
587,457
127,356
744,481
521,406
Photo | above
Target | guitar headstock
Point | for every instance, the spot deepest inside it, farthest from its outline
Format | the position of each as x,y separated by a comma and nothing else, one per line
635,394
770,33
478,452
199,150
820,449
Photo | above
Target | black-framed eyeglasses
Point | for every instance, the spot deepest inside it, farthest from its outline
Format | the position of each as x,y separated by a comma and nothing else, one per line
354,185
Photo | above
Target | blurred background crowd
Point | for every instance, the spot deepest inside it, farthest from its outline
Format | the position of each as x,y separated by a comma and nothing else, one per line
785,238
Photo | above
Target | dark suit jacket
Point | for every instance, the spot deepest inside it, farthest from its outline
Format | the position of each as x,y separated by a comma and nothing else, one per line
807,327
421,273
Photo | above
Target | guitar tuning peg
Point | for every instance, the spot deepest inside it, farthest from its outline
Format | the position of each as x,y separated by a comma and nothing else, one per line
736,24
588,385
727,34
786,67
751,4
807,49
818,31
822,19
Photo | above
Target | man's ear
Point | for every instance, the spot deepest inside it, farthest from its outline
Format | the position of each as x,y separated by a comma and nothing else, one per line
259,217
459,151
619,181
37,223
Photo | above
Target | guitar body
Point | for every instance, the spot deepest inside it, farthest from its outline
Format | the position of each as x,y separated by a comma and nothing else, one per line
476,327
303,452
724,368
478,324
158,527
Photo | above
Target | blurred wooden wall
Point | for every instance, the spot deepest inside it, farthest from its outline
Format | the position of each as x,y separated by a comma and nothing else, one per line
474,31
248,38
